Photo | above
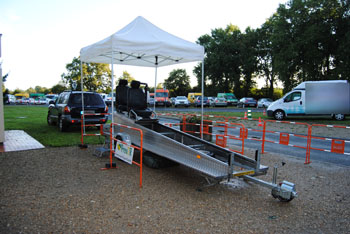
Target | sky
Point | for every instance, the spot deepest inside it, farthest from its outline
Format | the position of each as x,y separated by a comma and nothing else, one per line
39,37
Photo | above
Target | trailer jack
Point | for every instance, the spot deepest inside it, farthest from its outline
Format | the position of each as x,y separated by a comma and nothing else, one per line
285,191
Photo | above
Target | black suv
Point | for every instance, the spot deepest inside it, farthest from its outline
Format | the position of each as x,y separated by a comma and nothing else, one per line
66,110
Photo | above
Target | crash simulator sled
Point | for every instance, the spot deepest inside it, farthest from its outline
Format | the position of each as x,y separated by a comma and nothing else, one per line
162,144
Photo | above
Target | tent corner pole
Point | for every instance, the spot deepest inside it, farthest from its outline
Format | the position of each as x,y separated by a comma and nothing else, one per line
82,92
112,105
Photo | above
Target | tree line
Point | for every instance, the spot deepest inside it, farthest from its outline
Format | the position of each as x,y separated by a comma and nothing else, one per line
304,40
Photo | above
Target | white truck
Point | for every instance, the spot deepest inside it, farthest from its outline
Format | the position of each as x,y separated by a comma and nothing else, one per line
313,98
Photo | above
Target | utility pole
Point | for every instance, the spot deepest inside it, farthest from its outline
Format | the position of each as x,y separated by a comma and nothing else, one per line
2,127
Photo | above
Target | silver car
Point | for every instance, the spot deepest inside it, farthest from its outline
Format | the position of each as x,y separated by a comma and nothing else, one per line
264,102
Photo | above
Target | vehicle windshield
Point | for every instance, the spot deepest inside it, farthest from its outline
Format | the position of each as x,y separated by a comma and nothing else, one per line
89,99
250,99
231,97
162,94
181,98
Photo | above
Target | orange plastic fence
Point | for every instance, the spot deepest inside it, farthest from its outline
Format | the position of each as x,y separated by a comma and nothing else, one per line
82,125
338,146
140,148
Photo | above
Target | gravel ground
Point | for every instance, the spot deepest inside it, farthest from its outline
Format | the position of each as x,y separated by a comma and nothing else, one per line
63,190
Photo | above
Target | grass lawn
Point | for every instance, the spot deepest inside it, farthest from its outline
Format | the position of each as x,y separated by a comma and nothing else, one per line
32,120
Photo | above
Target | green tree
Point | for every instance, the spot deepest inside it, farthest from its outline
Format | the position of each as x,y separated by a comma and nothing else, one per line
126,76
178,83
40,89
222,61
30,90
310,41
97,76
58,88
17,90
248,59
265,66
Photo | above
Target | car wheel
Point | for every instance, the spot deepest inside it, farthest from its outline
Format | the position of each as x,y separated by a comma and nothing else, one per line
339,117
62,127
279,115
49,120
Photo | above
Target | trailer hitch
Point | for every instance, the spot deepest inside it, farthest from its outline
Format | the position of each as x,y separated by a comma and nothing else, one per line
285,191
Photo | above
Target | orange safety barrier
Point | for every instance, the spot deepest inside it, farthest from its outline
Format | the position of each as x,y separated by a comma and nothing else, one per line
284,138
337,145
112,139
221,140
91,125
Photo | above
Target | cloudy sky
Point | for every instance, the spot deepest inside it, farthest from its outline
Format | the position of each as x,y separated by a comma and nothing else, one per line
40,37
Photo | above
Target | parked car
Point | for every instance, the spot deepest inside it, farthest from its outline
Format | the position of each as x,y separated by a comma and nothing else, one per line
172,101
31,101
150,101
198,102
10,99
66,110
264,102
230,98
181,101
220,102
22,101
211,101
104,96
246,102
108,99
51,97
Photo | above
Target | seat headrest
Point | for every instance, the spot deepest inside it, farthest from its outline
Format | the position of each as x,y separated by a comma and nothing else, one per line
123,82
135,84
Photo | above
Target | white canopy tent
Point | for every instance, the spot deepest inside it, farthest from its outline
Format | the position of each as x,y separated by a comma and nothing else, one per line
140,43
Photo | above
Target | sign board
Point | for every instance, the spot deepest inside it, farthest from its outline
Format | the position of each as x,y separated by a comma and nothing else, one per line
124,152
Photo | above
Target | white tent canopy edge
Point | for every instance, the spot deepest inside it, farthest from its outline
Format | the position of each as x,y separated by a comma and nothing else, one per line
140,43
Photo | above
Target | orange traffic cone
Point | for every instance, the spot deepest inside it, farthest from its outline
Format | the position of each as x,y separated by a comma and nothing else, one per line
245,115
260,123
264,113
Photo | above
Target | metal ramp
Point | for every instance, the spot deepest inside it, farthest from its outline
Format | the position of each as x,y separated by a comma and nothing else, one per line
200,155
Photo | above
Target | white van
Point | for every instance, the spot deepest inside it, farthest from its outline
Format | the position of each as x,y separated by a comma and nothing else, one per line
314,98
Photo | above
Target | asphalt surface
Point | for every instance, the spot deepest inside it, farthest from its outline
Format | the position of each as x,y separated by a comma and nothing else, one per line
254,141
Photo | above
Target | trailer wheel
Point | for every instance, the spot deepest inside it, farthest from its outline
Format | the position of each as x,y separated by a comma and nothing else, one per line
279,115
155,161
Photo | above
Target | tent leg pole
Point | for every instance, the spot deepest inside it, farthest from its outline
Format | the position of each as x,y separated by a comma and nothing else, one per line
82,93
112,105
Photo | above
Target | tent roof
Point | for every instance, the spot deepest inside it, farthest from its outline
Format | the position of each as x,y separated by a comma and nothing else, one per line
138,43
